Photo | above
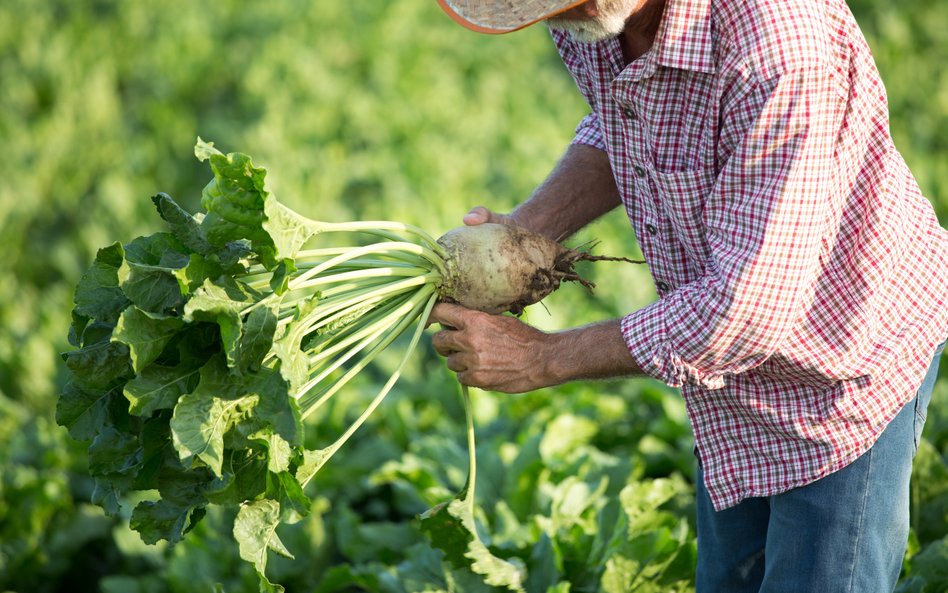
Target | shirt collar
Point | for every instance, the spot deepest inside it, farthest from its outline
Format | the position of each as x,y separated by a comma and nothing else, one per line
683,39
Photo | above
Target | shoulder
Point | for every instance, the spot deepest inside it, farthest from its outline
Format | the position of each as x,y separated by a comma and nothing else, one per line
773,37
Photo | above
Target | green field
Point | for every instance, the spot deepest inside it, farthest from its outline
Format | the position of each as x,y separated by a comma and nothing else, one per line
364,110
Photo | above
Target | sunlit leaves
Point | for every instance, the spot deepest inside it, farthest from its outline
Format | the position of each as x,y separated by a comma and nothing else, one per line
189,360
172,377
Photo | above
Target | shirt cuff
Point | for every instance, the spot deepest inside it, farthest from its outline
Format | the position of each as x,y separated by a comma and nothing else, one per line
647,339
589,132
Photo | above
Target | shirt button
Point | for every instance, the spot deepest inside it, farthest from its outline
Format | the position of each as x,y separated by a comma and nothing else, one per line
662,286
651,229
628,113
639,171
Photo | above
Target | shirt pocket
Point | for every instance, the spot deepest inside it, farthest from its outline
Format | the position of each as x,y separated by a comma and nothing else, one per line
682,196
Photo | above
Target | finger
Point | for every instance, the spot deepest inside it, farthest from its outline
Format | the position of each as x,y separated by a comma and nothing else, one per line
445,343
431,321
467,378
477,215
451,315
456,363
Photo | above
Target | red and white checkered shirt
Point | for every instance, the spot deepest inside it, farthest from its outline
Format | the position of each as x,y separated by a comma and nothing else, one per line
803,278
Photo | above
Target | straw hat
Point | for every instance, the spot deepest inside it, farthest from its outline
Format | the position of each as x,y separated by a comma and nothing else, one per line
503,16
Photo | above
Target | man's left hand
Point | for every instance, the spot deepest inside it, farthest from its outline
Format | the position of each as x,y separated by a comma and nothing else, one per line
495,352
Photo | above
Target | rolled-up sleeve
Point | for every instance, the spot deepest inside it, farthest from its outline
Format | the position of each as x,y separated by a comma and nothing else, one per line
764,220
589,132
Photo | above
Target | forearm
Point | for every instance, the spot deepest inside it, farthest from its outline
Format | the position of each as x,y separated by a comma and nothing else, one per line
580,189
596,351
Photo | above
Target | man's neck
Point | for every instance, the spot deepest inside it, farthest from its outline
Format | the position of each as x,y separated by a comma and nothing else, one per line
640,30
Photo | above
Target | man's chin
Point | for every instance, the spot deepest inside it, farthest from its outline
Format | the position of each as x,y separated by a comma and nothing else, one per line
591,37
583,34
586,32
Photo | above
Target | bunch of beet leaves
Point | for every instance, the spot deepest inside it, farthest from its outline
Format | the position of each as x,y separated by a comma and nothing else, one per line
201,349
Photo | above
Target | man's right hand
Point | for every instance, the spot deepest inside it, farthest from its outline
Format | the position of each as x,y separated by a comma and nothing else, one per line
580,189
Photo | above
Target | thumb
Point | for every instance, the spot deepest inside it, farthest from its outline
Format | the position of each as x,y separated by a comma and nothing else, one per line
480,215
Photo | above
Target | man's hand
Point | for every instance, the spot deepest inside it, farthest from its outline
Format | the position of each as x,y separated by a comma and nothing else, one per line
495,352
501,353
580,189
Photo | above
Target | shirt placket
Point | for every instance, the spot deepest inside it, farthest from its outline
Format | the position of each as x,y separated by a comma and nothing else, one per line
651,227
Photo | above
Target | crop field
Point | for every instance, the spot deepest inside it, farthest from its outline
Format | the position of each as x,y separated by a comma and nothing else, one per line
364,110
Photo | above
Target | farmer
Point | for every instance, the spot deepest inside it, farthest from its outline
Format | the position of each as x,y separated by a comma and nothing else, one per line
802,277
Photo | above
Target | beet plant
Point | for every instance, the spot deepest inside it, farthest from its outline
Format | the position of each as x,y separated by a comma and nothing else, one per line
200,351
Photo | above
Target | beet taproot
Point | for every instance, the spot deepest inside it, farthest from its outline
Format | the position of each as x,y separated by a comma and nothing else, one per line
498,268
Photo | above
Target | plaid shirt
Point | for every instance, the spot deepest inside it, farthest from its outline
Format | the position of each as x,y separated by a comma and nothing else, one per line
802,276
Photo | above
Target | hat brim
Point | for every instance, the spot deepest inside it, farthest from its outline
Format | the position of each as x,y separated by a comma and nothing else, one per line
500,27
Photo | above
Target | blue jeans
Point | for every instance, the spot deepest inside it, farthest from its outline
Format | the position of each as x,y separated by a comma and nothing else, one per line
843,533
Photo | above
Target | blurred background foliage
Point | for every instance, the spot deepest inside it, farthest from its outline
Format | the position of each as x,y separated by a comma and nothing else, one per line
363,110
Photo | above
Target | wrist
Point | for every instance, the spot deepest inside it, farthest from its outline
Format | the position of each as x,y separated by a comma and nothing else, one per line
555,368
596,351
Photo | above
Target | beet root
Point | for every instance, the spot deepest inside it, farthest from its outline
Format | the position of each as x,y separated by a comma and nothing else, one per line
498,268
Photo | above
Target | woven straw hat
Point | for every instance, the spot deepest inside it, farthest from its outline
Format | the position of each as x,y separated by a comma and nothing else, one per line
503,16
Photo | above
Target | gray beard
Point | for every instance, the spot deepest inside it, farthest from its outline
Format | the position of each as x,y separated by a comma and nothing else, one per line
611,21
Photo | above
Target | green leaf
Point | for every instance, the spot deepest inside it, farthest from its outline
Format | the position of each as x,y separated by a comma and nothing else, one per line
288,230
114,460
276,409
313,461
155,439
144,335
280,280
77,328
256,339
96,332
574,503
220,301
649,544
546,566
82,410
182,486
641,501
230,257
182,224
452,528
158,249
100,364
362,540
198,427
285,489
159,387
255,532
160,520
294,362
202,417
565,433
244,478
98,294
930,566
346,577
108,492
279,452
199,269
114,452
153,288
196,344
204,150
239,206
234,202
150,279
